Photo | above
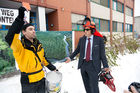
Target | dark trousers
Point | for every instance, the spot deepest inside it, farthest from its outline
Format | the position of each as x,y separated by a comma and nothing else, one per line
90,77
37,87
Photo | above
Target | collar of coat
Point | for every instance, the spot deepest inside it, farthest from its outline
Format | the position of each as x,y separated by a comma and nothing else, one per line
35,46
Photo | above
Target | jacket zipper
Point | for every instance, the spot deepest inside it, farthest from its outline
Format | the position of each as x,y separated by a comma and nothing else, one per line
36,62
35,53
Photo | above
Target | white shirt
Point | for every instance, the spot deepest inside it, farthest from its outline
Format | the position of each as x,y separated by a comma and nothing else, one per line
91,44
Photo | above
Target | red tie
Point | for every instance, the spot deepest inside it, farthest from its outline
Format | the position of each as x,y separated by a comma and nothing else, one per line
88,51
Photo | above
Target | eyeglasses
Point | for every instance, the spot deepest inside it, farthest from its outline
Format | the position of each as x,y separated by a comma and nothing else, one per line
86,29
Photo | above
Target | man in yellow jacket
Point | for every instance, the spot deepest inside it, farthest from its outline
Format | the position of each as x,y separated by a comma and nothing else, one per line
29,54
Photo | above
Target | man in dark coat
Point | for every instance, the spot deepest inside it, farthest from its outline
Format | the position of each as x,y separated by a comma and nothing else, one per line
92,54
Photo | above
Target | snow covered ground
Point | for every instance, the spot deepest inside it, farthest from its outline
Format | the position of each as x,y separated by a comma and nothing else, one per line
124,74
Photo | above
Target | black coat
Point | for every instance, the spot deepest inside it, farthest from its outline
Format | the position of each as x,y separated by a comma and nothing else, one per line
98,52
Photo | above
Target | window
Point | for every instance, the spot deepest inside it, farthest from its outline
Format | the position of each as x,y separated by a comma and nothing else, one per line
104,25
80,27
101,24
105,3
7,27
74,27
77,21
122,27
114,26
114,5
97,23
131,28
128,27
102,2
119,27
129,11
77,27
125,27
0,26
120,7
97,1
33,19
4,27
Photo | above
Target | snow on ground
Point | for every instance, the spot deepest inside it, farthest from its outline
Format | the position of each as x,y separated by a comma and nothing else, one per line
124,74
10,85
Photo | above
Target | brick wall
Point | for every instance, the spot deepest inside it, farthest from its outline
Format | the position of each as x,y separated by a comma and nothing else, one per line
61,18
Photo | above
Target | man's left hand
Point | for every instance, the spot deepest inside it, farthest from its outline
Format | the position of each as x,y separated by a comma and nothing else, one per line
56,70
107,69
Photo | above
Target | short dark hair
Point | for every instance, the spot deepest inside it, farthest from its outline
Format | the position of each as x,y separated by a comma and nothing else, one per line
26,25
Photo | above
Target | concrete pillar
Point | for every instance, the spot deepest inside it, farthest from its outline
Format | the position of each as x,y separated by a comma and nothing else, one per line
133,17
88,11
111,26
41,19
124,20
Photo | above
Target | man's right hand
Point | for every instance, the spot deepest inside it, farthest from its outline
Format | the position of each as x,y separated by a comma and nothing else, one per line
132,89
21,13
67,60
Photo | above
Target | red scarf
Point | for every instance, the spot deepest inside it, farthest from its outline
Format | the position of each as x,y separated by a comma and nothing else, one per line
96,33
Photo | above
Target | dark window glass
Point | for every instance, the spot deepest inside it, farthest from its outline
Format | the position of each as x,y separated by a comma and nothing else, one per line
104,25
114,26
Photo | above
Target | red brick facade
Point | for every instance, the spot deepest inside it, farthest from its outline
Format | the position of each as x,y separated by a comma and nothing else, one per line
60,19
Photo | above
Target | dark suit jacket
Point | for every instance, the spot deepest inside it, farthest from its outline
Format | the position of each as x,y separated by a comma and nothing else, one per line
98,52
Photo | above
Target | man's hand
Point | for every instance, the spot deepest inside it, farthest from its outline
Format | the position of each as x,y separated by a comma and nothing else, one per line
21,13
132,89
107,69
67,60
56,70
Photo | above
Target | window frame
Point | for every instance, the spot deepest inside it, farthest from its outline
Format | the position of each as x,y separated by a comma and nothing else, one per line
108,6
113,23
93,19
108,25
122,7
114,1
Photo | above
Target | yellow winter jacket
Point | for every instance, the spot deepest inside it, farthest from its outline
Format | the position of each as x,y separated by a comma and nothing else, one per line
27,55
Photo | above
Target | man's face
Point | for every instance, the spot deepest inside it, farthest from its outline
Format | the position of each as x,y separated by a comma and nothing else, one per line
29,33
87,32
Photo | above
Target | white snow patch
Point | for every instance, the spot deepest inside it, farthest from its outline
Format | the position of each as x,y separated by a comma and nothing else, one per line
125,73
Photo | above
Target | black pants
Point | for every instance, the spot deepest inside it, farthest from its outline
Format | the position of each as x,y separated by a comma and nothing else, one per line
37,87
90,77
